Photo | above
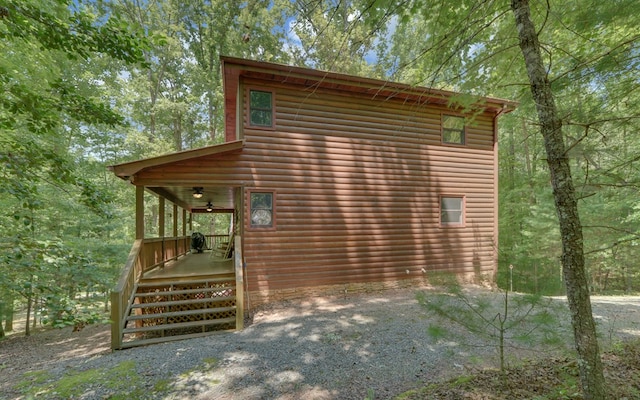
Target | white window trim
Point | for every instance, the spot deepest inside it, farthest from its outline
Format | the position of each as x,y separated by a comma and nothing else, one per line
463,210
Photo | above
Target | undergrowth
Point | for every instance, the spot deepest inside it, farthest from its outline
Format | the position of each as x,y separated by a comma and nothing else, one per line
544,379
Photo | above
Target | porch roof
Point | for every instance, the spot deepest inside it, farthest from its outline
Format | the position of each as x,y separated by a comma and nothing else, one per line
220,197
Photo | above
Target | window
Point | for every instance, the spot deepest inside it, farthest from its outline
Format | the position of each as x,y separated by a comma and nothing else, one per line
451,210
260,108
452,129
261,210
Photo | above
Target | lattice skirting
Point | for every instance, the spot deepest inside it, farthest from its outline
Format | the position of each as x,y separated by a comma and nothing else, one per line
220,306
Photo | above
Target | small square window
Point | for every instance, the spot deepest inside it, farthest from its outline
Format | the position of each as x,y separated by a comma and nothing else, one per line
261,210
452,210
260,108
453,129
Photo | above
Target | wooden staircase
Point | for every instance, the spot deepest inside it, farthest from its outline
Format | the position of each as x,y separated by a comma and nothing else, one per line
166,309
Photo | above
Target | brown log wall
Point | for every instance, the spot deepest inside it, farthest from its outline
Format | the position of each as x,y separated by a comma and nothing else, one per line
358,184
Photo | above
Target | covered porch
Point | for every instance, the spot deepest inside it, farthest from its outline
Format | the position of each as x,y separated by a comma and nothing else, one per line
170,289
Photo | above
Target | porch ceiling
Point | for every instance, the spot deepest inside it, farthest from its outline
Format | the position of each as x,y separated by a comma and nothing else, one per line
221,197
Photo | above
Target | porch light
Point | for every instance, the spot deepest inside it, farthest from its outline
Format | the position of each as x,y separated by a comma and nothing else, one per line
197,192
209,207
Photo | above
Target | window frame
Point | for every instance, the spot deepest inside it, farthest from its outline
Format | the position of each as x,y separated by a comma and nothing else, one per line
252,227
463,132
250,123
463,210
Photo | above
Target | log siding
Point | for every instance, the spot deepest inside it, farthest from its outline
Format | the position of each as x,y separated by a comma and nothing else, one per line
359,183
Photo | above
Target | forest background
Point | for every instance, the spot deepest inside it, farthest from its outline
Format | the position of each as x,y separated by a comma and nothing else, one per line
87,84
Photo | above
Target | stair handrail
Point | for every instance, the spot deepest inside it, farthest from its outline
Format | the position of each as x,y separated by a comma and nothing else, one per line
237,252
124,290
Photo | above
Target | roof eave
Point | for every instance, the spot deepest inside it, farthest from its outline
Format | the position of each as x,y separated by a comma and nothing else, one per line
129,169
442,96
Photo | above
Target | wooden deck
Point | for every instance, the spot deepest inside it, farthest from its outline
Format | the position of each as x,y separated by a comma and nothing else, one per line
192,265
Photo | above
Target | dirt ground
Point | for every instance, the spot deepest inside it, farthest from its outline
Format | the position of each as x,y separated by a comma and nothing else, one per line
46,347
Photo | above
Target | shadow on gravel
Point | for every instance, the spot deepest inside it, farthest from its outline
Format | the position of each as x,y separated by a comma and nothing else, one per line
325,349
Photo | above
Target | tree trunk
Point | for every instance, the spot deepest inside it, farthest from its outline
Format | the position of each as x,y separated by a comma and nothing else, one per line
35,313
531,173
177,131
27,331
511,169
573,265
1,318
8,314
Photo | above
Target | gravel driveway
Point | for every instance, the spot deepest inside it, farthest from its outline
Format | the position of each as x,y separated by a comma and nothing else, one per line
350,347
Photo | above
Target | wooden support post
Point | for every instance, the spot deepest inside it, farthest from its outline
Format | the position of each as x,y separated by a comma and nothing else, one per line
161,217
139,212
175,231
161,225
116,313
187,243
184,222
239,283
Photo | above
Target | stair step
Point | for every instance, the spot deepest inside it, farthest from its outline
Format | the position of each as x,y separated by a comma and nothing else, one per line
155,282
144,342
181,313
191,324
183,291
182,302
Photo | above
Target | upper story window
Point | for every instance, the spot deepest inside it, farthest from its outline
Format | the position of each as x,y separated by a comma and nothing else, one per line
453,131
261,108
452,210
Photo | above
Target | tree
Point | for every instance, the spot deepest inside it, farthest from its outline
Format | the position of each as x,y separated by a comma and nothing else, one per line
47,102
506,320
573,265
176,99
224,28
330,36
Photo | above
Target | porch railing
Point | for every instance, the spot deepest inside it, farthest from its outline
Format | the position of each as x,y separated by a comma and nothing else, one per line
121,295
158,251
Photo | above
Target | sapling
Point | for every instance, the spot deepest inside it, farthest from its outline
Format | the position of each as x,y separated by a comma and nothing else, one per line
507,320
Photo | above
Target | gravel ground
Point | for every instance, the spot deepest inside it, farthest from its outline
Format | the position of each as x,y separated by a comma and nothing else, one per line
349,347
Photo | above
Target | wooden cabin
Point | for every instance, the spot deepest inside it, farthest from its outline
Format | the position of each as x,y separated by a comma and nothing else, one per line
336,184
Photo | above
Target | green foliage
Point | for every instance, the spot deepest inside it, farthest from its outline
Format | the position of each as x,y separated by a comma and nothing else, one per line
509,321
371,395
331,36
121,379
57,273
62,311
54,199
